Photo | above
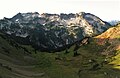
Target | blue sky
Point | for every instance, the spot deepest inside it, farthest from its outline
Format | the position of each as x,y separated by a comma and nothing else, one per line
105,9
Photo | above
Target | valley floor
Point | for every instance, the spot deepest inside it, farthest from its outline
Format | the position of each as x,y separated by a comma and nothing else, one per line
89,63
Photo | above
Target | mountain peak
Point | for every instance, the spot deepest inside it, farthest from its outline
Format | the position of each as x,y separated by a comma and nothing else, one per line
53,31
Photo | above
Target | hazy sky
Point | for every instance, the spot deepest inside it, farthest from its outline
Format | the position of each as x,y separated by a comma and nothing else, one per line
105,9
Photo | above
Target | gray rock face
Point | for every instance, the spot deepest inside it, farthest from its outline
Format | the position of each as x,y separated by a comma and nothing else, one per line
52,31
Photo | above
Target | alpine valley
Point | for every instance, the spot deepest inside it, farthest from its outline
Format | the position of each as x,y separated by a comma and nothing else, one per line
80,45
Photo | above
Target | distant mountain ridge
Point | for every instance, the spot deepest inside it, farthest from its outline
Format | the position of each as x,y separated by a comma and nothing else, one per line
48,32
114,22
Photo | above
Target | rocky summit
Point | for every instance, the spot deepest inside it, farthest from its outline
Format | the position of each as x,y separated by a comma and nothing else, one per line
49,32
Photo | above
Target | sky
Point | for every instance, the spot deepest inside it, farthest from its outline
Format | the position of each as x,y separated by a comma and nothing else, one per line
105,9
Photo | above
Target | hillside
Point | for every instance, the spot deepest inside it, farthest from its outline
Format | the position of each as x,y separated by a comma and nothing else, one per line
98,58
15,60
111,37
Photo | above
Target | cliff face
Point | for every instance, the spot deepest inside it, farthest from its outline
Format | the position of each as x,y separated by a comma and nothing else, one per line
52,31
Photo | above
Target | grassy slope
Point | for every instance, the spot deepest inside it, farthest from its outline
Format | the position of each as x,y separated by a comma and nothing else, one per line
95,60
15,62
